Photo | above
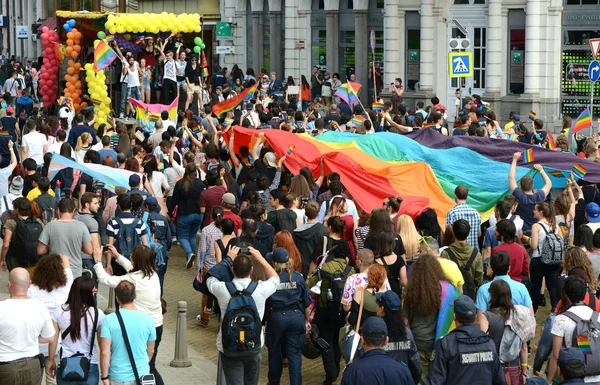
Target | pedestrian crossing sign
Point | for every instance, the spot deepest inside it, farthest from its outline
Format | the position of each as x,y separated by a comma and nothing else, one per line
460,64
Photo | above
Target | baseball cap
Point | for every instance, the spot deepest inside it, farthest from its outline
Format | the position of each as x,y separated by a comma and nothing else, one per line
271,159
151,201
9,110
464,308
571,357
16,186
463,112
229,198
389,300
516,117
374,327
279,255
134,180
592,210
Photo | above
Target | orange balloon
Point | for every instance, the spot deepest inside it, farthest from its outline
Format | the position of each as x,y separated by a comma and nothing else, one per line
69,51
70,87
74,55
77,48
78,36
67,77
78,84
67,94
70,70
77,106
71,62
70,35
70,42
77,66
79,91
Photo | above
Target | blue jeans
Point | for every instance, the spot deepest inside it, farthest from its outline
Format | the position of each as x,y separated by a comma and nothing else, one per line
93,377
124,95
135,93
187,227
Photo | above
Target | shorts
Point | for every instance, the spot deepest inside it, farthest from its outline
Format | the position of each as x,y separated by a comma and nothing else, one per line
194,89
181,83
135,93
146,86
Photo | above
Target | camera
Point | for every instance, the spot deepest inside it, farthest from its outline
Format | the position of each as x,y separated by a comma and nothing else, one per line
244,250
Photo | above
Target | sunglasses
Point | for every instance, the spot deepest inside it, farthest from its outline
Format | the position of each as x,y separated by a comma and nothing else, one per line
423,240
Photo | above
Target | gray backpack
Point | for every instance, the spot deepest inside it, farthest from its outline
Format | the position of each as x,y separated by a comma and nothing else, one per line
586,337
553,248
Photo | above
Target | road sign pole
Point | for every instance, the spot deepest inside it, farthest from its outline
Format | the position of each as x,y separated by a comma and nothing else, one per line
592,108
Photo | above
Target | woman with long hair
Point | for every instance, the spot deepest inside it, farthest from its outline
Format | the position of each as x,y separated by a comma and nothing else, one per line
376,278
266,232
249,228
186,196
393,263
313,184
544,214
564,210
410,237
492,322
427,224
339,208
284,240
158,181
305,92
380,221
362,229
575,257
79,314
584,238
422,302
146,73
335,239
84,143
300,187
287,325
141,271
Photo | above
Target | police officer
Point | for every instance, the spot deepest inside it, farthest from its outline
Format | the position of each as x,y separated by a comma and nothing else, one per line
287,319
466,355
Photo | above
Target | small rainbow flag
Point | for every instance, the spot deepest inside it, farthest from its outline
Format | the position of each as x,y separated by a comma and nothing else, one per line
266,101
377,106
110,37
4,134
528,156
583,120
161,166
227,122
242,188
226,87
196,131
550,141
103,55
349,92
262,91
139,39
62,101
463,128
139,135
583,343
556,173
228,165
579,170
357,120
429,125
532,115
229,104
96,102
512,137
202,131
290,149
205,72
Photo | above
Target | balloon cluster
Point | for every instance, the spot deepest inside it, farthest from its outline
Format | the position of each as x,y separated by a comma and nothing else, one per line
69,25
50,66
152,23
96,83
73,86
199,44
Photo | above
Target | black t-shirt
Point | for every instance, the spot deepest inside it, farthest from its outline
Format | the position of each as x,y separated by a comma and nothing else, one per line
247,189
262,169
27,184
399,250
193,74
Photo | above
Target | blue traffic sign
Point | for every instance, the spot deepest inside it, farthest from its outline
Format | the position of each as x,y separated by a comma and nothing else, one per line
594,71
460,64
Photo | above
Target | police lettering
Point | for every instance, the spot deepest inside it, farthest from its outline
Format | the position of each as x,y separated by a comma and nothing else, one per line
286,286
476,358
398,345
159,223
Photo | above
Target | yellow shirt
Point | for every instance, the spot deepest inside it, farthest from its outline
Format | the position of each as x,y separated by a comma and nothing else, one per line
452,272
508,127
36,193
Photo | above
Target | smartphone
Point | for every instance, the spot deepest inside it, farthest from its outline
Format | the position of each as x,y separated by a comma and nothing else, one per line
105,249
244,250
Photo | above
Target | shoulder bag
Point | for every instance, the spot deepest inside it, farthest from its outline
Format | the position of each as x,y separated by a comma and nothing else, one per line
77,367
146,379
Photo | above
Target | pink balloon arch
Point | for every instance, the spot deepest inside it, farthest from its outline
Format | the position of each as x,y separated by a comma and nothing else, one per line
50,66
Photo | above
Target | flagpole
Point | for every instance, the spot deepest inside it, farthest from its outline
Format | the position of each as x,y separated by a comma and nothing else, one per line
363,107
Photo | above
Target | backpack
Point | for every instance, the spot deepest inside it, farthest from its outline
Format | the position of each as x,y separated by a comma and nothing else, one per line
337,281
47,209
128,237
285,221
469,288
586,337
553,248
25,240
242,327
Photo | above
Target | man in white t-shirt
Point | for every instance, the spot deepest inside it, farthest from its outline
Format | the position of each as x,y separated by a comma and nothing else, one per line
35,144
131,71
61,137
24,324
563,325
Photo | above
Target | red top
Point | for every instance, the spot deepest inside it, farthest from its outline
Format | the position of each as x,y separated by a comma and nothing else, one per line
237,221
349,235
519,259
210,198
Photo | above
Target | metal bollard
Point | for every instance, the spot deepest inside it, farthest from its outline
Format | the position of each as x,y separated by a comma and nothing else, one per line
181,355
111,301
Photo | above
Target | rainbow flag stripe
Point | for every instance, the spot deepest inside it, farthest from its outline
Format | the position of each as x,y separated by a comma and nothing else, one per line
583,120
290,149
512,137
242,188
161,166
463,128
583,343
349,92
103,55
196,131
4,134
139,135
205,72
429,125
63,100
532,115
228,165
357,120
550,141
445,320
227,122
229,104
226,87
528,156
262,91
556,173
579,170
377,106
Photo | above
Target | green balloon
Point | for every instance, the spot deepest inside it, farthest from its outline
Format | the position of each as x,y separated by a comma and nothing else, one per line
203,46
197,41
101,35
197,49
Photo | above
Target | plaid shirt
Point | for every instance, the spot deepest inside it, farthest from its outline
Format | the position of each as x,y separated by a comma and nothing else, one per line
206,244
464,211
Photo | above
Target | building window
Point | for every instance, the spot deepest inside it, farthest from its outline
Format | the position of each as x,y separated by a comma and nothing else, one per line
321,4
413,51
319,48
516,51
581,2
458,2
348,57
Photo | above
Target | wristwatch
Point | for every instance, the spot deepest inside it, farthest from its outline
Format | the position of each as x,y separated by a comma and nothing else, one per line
103,378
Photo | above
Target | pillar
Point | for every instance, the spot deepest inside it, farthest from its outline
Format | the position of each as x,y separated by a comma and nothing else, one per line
427,44
305,33
401,33
361,51
333,41
122,6
275,43
534,51
391,42
257,41
495,40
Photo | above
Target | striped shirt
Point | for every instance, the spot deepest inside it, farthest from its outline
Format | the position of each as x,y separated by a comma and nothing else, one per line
112,228
206,245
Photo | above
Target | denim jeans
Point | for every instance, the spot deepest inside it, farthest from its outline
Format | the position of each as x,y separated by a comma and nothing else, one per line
135,93
157,376
187,227
243,369
124,95
93,377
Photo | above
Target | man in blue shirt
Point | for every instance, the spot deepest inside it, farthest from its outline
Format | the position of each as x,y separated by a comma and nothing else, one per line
375,366
79,129
114,359
500,265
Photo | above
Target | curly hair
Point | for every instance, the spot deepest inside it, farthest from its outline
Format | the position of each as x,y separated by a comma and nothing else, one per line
376,276
576,257
49,273
423,293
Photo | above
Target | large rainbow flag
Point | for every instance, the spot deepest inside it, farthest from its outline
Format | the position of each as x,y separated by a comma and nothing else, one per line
229,104
103,55
146,114
108,175
445,321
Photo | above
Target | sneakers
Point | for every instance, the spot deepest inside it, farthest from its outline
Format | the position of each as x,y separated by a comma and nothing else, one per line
121,116
199,321
190,261
542,301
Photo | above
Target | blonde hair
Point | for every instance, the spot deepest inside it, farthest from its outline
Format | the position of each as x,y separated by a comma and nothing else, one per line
410,236
81,140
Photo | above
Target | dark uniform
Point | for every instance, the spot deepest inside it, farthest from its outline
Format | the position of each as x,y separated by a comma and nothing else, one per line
465,356
285,326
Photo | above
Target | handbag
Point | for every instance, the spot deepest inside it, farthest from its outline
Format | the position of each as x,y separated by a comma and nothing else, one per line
77,367
146,379
351,339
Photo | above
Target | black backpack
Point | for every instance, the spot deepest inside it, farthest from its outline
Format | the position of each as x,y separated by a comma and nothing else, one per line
24,242
337,281
469,287
241,327
285,220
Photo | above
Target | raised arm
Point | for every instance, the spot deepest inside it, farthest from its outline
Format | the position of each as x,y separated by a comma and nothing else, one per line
547,182
234,159
319,181
512,173
254,152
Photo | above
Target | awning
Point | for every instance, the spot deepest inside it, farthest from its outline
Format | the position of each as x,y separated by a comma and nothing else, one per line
50,23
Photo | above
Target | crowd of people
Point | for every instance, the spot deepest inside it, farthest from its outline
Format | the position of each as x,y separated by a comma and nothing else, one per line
287,261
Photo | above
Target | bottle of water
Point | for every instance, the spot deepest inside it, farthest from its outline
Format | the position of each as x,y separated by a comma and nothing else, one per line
329,295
